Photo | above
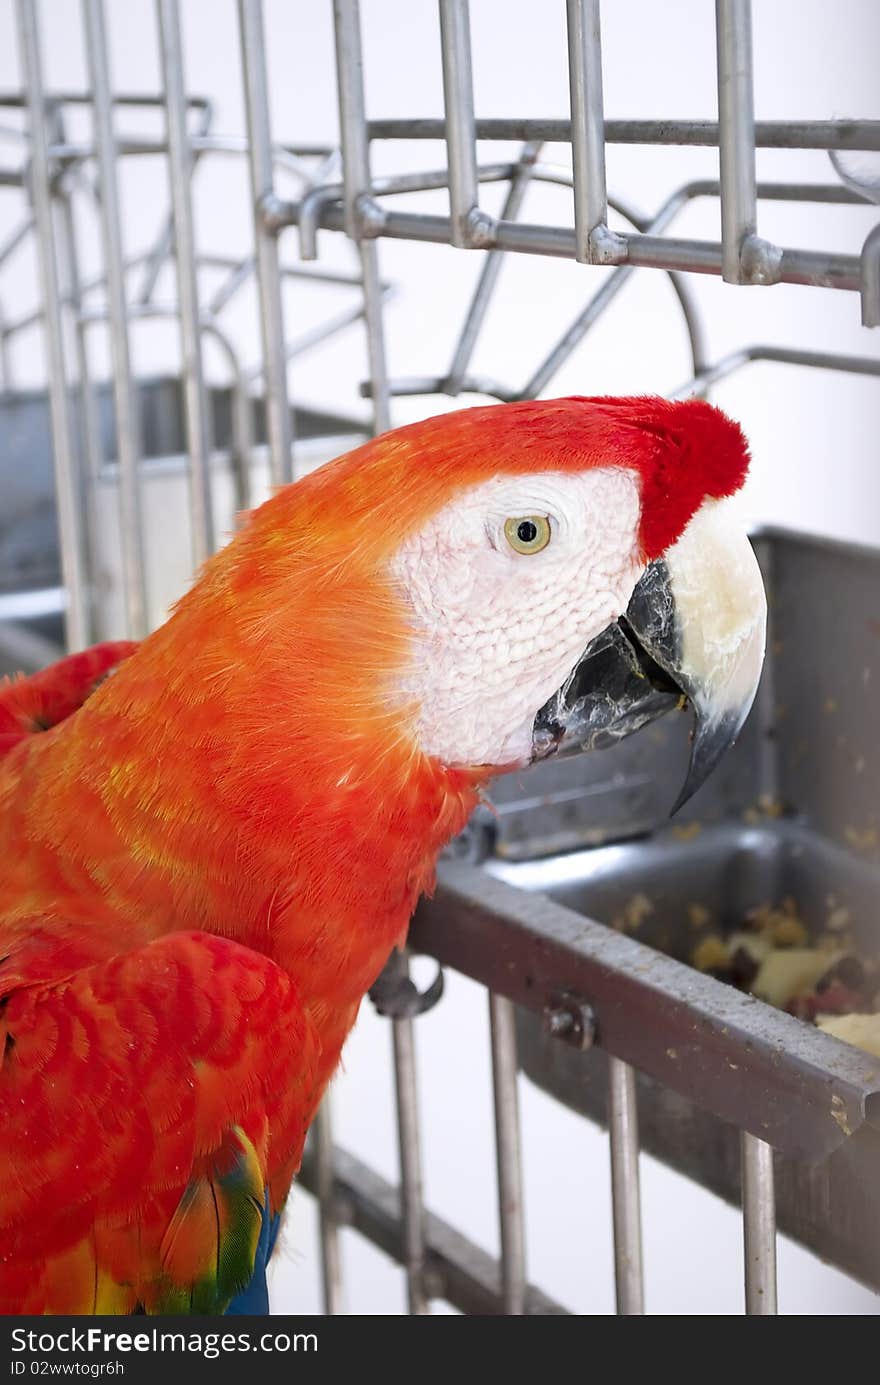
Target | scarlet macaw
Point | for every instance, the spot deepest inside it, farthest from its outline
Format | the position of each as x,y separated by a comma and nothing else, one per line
209,854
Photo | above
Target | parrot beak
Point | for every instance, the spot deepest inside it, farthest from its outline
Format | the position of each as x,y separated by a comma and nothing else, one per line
694,629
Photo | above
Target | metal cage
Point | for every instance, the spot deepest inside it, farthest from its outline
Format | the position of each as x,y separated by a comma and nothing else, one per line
790,1092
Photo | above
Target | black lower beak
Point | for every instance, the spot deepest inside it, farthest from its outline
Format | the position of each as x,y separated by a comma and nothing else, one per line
615,689
705,649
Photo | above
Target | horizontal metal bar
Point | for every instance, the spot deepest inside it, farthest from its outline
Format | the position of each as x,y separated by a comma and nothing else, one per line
784,192
15,238
769,134
285,156
45,601
15,99
307,213
407,385
455,1268
758,1068
24,650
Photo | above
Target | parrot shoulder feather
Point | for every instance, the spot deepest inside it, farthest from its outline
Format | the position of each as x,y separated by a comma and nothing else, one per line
31,705
149,1105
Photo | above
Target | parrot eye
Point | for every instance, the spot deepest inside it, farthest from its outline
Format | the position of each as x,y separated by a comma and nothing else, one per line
527,533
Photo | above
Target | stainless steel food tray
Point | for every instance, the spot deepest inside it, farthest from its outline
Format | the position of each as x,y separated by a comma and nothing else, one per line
795,815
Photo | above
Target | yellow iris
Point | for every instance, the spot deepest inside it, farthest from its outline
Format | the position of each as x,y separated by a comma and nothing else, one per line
527,533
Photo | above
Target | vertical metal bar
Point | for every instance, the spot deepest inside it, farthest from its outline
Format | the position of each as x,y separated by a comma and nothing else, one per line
67,499
128,443
375,323
587,124
242,431
461,135
467,340
331,1263
278,414
198,427
736,132
759,1225
623,1129
91,452
164,241
352,115
507,1148
406,1095
89,430
6,373
356,186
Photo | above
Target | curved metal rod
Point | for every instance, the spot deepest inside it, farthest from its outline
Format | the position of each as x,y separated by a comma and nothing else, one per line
285,159
609,290
870,275
306,213
407,385
488,277
587,317
782,355
343,278
315,335
770,191
242,432
165,240
865,187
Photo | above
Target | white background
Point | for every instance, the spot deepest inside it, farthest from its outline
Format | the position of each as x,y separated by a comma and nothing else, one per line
814,437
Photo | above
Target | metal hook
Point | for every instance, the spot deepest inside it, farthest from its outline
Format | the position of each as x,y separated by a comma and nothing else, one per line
397,997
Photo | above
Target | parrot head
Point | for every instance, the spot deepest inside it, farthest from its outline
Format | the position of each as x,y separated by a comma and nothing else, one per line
531,579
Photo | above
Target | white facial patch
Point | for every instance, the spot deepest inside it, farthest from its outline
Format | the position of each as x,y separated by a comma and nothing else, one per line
496,632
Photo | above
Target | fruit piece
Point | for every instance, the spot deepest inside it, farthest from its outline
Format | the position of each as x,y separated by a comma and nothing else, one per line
698,915
793,972
712,954
788,931
757,945
743,968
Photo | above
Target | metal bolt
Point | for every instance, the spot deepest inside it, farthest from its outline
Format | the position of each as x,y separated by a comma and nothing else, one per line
570,1018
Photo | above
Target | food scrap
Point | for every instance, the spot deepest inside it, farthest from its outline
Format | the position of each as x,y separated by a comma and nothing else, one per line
823,982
